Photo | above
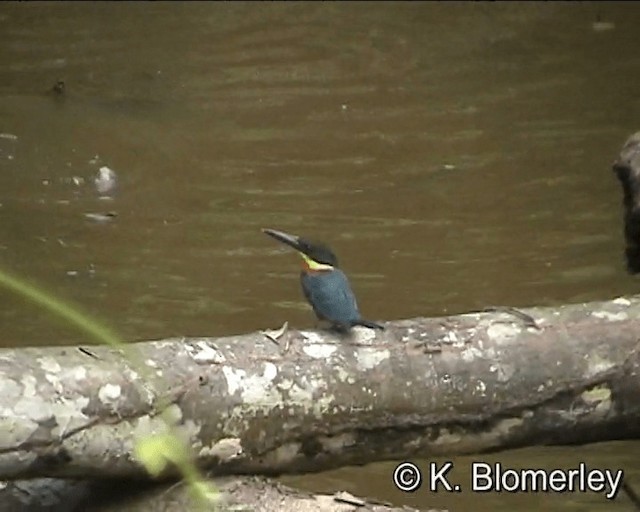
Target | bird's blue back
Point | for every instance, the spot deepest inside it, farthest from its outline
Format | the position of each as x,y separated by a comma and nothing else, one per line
331,297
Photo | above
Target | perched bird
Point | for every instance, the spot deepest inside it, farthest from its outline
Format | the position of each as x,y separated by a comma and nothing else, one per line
325,286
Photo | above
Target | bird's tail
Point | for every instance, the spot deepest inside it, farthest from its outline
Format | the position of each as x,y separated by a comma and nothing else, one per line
369,324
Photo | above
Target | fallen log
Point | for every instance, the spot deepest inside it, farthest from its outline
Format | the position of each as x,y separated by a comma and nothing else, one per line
236,493
312,401
48,495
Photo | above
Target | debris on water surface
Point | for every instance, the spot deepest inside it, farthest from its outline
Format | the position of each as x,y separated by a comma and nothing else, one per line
59,87
600,25
105,181
101,217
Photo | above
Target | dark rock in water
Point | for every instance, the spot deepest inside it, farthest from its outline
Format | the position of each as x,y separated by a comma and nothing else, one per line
627,168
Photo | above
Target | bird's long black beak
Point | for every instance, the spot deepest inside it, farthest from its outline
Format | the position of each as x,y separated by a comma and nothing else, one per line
285,238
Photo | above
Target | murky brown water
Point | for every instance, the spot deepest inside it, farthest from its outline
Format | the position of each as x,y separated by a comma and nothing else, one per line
455,156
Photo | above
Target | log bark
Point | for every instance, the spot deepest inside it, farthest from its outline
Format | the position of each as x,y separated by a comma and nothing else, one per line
423,387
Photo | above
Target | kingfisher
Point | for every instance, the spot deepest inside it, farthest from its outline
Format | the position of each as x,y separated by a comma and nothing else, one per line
325,286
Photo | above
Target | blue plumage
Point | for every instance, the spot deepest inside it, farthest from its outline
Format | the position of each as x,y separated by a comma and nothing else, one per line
331,297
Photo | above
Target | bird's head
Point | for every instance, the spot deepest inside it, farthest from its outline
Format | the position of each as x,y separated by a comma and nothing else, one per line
316,256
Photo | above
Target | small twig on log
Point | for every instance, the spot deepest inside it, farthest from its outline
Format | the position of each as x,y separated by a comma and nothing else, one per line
527,320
